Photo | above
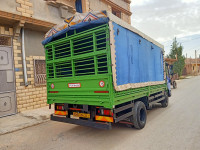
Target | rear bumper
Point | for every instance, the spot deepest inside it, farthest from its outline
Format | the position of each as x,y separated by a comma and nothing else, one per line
87,123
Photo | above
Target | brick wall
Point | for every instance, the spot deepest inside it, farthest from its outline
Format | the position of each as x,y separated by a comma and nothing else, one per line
32,96
6,30
25,8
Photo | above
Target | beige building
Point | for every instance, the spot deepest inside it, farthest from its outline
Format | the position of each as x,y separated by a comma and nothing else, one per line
192,66
23,24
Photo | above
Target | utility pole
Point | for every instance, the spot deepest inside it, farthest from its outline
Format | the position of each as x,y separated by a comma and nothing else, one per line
196,61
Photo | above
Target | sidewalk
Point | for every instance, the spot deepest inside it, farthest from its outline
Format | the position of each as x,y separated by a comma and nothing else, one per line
24,119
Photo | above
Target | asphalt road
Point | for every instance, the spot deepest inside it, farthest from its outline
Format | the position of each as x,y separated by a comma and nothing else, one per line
176,127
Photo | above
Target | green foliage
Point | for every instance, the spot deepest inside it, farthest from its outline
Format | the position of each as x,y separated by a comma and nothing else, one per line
177,51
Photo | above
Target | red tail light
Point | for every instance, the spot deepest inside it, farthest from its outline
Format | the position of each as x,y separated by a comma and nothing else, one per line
60,108
104,112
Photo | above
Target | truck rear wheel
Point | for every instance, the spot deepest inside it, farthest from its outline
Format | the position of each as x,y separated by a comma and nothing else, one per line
139,115
174,85
165,102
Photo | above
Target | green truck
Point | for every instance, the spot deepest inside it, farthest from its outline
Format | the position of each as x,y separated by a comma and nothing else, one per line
102,71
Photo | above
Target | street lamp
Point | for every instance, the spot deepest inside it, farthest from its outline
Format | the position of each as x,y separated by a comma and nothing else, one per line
196,61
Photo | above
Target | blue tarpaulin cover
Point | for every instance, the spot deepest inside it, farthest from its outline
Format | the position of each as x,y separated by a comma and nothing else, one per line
137,60
81,25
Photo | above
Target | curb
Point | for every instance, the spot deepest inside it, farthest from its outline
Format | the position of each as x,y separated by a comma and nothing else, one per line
24,127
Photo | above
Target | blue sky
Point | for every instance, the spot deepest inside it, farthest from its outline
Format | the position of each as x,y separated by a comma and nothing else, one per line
165,19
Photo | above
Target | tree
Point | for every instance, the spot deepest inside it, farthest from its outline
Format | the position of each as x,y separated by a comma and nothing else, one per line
177,52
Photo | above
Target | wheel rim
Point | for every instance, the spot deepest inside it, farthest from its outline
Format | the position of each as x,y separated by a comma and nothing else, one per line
142,115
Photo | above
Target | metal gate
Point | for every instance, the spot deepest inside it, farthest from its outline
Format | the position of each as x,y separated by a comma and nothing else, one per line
7,80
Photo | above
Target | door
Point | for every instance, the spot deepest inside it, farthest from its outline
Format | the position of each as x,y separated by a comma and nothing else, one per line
7,82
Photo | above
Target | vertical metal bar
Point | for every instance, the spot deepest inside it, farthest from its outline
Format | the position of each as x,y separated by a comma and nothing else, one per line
109,62
72,60
54,66
95,57
24,59
112,92
196,62
47,74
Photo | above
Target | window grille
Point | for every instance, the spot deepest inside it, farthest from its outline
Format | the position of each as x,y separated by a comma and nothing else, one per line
40,72
5,41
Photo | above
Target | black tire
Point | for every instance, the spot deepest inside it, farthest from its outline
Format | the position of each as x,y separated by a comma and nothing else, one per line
174,85
169,92
165,102
139,115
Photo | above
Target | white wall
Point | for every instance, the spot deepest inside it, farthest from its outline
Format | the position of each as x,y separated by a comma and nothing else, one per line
9,6
97,5
33,42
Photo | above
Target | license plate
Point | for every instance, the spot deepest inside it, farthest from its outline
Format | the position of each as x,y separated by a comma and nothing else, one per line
82,115
74,85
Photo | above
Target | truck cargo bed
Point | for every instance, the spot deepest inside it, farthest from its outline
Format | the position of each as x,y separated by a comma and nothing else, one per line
107,53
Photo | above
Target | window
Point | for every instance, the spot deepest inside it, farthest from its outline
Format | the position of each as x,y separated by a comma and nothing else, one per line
116,12
40,72
78,5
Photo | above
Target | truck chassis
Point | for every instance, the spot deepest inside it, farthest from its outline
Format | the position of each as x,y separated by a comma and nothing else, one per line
132,113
